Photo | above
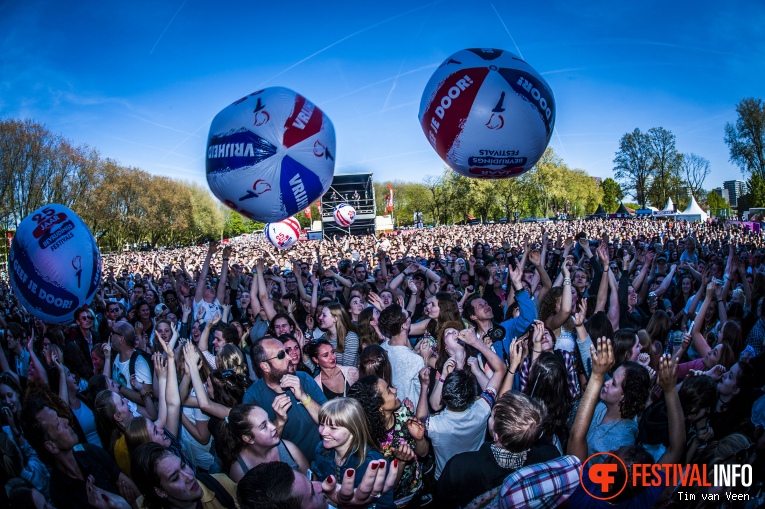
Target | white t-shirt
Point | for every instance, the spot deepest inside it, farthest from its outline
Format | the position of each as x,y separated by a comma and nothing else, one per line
200,453
210,309
121,371
454,432
405,368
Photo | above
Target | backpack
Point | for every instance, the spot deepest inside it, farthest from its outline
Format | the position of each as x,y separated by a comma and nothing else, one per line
134,358
212,484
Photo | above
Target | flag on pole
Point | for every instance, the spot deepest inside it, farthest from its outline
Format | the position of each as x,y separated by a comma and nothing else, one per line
389,199
307,212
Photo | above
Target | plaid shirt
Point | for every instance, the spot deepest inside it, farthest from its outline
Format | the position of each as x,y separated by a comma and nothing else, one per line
542,485
756,338
571,376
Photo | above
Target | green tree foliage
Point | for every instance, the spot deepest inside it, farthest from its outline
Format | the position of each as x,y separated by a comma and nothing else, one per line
633,164
718,206
666,179
612,194
746,137
550,187
120,205
235,224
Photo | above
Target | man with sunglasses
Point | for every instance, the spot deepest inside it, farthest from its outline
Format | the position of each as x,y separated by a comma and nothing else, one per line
112,315
283,392
84,334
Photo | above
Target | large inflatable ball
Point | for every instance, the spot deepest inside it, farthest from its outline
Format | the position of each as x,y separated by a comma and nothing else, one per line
487,113
283,234
55,265
270,154
344,214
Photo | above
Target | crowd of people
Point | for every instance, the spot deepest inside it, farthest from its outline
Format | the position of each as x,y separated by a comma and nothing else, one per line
460,366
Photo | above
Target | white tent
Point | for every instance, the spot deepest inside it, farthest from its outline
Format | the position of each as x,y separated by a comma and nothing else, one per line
693,213
668,210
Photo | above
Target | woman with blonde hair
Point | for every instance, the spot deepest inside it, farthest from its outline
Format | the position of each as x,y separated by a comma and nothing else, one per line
346,443
231,357
341,333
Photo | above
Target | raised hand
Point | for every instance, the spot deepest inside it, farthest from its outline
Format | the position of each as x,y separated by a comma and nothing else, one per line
449,366
136,384
581,313
667,372
190,355
281,405
424,375
374,483
416,428
403,452
603,358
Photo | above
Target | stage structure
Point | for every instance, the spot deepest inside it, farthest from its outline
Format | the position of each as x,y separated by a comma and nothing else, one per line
357,190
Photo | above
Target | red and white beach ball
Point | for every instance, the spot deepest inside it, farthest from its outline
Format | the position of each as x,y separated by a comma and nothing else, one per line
284,234
344,214
487,113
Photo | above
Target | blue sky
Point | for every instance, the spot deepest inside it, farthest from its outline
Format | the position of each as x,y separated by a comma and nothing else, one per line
141,81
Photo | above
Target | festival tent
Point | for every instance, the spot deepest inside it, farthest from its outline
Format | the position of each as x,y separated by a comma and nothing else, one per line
601,212
693,213
668,210
623,210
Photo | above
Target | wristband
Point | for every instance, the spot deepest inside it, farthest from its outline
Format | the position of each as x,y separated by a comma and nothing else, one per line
442,380
567,281
306,402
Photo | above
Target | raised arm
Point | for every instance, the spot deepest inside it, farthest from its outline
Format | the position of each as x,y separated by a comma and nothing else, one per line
668,382
699,341
613,303
559,318
603,288
254,300
497,366
191,357
172,392
221,291
160,372
263,293
63,390
199,292
422,404
602,360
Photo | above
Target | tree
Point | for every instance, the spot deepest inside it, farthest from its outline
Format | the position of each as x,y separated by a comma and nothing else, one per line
718,206
695,170
633,164
756,185
665,167
746,138
612,194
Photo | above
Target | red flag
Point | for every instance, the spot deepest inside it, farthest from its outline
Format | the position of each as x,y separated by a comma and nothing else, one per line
470,217
389,199
318,204
307,212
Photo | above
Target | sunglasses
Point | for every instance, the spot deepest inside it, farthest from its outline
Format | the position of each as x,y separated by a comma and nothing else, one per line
281,355
112,310
741,455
